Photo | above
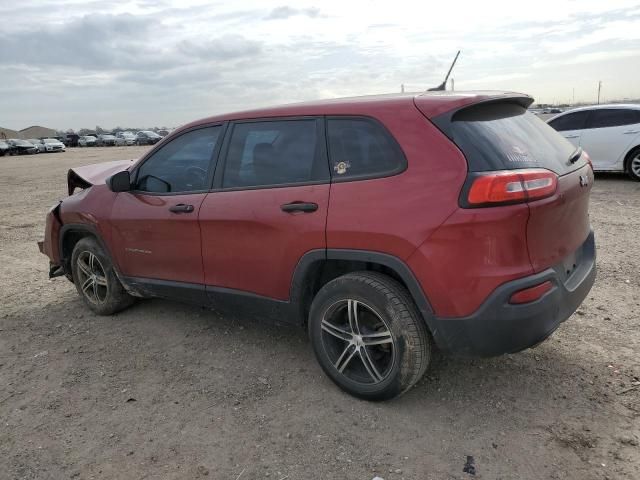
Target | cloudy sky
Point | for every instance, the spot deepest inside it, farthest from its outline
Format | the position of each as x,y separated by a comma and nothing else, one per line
74,63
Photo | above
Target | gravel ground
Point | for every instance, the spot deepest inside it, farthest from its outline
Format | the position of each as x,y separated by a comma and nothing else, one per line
169,391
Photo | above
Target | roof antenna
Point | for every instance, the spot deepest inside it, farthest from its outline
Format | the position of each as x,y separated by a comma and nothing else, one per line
443,86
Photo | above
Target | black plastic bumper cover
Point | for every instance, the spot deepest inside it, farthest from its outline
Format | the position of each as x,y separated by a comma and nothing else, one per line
499,327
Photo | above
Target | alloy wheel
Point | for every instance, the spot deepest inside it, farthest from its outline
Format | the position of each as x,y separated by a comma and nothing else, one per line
358,342
635,165
92,278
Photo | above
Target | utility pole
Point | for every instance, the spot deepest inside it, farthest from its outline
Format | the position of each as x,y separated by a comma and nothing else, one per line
573,96
402,88
599,88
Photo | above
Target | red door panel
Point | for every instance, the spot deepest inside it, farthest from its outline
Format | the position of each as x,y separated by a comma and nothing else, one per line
150,241
250,244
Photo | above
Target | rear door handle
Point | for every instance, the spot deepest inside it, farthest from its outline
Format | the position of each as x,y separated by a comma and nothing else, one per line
631,132
299,207
571,136
181,208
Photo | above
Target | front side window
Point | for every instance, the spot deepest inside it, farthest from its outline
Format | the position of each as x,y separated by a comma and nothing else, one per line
613,117
274,153
182,165
570,121
361,147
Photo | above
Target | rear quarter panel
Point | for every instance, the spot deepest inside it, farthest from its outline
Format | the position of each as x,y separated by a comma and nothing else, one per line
396,214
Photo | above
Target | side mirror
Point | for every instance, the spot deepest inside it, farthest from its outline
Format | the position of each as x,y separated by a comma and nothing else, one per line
119,182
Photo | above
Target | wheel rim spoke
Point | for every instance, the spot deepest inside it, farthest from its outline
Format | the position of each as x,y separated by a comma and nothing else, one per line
352,312
84,267
87,284
100,280
336,331
369,366
379,338
346,357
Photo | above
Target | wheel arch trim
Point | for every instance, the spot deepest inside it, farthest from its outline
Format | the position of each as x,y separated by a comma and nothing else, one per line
312,258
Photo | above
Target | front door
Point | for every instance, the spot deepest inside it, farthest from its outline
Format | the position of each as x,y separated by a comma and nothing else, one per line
155,228
270,208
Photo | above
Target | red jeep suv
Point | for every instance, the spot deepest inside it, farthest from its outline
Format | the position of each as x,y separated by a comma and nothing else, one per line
383,224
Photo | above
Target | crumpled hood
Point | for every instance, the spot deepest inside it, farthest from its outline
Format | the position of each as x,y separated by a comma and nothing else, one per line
84,177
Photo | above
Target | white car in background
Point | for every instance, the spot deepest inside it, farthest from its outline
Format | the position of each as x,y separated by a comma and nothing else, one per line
51,145
610,134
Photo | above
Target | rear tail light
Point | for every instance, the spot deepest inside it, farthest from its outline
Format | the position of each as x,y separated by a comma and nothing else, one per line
511,186
531,294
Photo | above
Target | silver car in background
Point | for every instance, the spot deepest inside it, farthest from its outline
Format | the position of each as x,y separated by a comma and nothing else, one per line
87,141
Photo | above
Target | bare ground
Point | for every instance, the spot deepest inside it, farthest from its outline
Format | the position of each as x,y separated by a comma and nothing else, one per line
165,390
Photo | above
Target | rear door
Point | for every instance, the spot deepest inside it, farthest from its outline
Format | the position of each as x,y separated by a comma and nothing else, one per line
609,134
269,206
155,226
571,126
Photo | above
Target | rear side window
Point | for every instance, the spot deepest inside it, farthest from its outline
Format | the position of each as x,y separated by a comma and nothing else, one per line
613,117
505,136
274,153
570,121
362,148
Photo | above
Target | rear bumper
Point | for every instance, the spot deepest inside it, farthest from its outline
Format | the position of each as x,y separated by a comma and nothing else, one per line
499,327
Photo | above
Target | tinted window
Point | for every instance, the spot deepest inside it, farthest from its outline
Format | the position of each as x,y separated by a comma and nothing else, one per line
362,147
273,153
505,136
182,165
612,117
570,121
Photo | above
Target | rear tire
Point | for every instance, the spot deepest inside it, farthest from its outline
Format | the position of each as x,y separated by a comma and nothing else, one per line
368,336
96,280
633,164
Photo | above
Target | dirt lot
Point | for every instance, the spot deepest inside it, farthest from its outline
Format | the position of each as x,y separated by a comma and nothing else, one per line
165,390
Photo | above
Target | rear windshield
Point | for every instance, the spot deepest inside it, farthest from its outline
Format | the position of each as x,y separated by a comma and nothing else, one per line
505,136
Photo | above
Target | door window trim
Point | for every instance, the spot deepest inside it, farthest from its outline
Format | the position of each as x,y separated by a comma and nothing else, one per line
403,165
321,154
593,115
213,161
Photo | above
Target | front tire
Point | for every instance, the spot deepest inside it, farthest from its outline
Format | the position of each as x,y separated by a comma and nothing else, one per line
368,336
96,280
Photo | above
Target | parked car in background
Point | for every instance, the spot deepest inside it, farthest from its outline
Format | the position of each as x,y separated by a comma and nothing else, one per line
163,133
147,137
51,145
4,148
610,134
21,147
87,141
105,140
382,225
35,141
125,138
71,140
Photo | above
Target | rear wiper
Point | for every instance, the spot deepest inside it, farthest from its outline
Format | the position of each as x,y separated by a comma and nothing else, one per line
577,153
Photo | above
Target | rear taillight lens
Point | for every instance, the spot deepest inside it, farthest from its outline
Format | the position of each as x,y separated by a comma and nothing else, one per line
511,186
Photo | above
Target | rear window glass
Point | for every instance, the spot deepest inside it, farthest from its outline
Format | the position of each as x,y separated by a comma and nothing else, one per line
505,136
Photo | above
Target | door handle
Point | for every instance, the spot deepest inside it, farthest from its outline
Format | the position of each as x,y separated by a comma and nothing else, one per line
631,132
571,136
299,207
181,208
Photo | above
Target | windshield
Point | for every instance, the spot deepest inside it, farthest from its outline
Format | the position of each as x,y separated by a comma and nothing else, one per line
505,136
51,140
